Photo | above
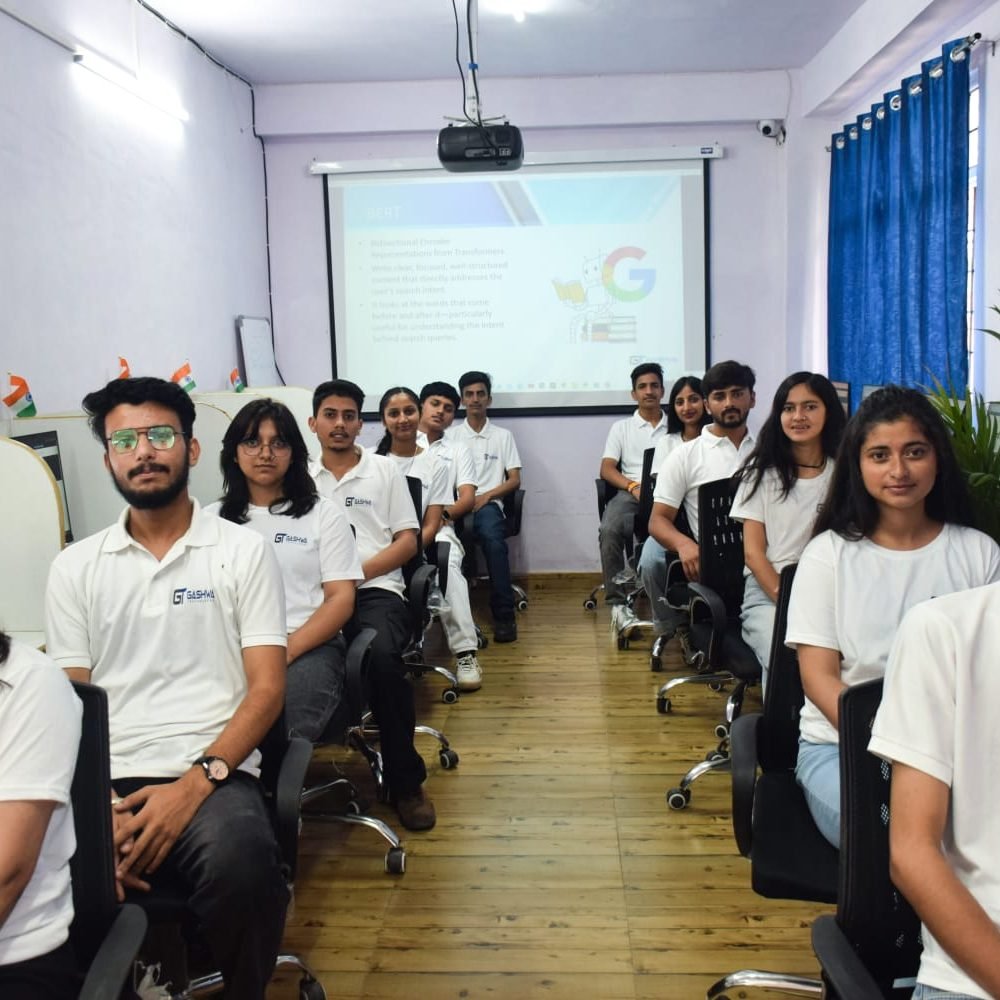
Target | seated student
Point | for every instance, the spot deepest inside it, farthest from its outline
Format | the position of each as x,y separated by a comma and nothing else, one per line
374,494
267,487
782,488
438,402
686,415
715,454
621,467
498,470
936,724
896,529
39,738
180,617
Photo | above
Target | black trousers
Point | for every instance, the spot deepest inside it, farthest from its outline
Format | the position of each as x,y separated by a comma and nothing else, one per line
48,977
390,694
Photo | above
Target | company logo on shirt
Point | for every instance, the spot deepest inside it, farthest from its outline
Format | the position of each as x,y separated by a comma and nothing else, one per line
487,457
358,502
193,595
282,538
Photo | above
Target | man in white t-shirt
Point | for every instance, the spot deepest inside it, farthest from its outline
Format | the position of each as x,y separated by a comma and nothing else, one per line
716,453
621,466
180,617
937,725
498,472
438,403
374,494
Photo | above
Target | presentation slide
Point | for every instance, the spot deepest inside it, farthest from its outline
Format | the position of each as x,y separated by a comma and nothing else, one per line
556,281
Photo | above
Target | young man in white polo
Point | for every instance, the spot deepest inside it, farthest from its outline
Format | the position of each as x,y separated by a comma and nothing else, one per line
721,448
374,494
438,403
180,617
498,472
621,467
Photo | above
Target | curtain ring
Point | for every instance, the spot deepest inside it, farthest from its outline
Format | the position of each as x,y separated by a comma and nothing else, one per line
840,142
880,112
895,102
914,89
866,123
937,71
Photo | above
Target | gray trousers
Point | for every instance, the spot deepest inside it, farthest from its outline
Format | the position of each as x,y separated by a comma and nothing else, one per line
616,529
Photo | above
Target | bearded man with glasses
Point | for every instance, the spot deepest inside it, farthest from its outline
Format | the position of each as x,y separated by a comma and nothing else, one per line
180,617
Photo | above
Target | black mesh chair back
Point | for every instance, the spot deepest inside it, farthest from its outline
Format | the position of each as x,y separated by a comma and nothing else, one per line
646,486
720,543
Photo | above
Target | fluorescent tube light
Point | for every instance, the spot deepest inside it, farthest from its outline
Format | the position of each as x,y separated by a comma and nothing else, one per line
128,82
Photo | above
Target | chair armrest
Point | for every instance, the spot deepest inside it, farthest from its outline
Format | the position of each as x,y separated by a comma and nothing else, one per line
112,964
356,680
702,595
442,553
288,799
420,588
743,760
843,971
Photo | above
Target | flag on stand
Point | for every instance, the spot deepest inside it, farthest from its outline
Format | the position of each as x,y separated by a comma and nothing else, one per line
19,398
184,378
235,381
123,369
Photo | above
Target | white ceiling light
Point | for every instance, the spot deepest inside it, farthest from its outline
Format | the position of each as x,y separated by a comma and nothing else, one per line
112,73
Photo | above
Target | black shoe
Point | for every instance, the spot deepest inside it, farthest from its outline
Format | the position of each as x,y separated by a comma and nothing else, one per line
505,631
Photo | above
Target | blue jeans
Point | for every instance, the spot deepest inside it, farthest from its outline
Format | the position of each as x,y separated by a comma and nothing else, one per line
314,687
653,574
817,771
226,862
757,616
490,525
930,993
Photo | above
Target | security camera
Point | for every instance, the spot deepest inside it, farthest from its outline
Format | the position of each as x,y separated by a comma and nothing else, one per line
771,128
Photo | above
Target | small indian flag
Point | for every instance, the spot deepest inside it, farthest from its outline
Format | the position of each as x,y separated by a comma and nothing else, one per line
183,377
235,381
123,369
19,398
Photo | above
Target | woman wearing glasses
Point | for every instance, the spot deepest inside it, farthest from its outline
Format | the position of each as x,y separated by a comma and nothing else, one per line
267,487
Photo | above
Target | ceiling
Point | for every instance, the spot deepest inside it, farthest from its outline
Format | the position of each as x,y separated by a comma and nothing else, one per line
313,41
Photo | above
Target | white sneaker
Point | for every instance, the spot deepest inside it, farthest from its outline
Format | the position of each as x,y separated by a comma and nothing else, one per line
469,673
623,620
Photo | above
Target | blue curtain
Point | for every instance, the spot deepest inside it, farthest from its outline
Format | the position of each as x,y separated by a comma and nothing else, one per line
897,239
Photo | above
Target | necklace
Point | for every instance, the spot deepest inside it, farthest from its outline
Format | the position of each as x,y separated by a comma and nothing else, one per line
802,465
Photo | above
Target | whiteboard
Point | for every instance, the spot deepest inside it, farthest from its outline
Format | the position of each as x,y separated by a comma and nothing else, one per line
258,351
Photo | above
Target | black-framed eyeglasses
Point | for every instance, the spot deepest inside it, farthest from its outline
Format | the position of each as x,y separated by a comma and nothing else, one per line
254,446
161,437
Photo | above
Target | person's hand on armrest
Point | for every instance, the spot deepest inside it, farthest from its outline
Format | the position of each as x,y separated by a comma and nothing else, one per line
663,529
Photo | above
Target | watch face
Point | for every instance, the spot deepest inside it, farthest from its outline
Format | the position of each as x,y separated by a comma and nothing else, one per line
218,769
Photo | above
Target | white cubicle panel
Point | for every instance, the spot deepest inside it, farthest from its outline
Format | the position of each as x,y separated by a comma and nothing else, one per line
31,535
93,501
296,398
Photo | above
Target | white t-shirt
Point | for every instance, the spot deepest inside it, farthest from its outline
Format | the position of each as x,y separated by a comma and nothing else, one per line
788,522
377,501
456,458
39,738
665,445
628,439
704,460
493,451
938,715
165,637
432,473
313,549
851,596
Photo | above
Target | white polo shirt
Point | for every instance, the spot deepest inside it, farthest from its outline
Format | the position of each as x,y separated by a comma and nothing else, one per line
456,457
165,637
938,715
705,459
493,451
377,501
39,737
433,476
313,549
628,439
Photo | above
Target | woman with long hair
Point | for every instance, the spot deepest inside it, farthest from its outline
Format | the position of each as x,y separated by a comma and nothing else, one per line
268,488
686,415
39,737
782,487
896,529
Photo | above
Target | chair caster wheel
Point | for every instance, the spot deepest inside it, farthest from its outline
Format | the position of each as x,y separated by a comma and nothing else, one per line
449,696
663,705
678,798
713,755
522,605
311,989
395,861
482,641
590,604
722,730
715,686
448,759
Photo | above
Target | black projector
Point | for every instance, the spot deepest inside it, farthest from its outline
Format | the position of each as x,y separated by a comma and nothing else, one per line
464,148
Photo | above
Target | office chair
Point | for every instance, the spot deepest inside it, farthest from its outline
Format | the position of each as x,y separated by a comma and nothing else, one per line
605,491
105,935
789,857
871,949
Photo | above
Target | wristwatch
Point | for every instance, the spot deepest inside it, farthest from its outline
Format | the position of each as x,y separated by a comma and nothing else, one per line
215,768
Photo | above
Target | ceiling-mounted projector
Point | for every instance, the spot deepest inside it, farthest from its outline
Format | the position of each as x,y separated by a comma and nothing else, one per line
464,148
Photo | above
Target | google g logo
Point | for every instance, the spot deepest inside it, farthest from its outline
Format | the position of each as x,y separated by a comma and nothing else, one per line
644,277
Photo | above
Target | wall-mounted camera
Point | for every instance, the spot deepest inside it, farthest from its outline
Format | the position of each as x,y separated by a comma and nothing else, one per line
772,128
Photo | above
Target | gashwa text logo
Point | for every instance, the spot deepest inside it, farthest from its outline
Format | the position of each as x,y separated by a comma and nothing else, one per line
281,536
357,502
193,595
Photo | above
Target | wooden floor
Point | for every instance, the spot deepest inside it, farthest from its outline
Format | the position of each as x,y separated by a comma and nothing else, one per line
556,869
